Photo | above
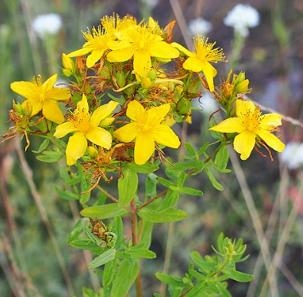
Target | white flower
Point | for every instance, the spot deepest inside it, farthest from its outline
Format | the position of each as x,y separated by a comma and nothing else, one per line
45,24
151,3
292,155
207,103
199,26
242,17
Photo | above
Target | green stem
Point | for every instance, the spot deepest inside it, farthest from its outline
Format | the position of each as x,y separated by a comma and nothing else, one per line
152,200
134,223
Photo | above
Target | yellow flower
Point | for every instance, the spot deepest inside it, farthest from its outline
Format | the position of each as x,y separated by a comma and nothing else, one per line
251,126
43,96
96,45
142,44
86,127
147,128
199,61
99,39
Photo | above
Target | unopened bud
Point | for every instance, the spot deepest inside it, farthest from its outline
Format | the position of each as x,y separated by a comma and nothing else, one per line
67,62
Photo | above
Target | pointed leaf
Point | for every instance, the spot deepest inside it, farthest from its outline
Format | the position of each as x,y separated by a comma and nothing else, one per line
127,187
107,256
213,180
103,211
168,215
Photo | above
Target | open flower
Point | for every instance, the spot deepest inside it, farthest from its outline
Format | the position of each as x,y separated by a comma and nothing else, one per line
147,128
86,127
142,44
98,40
199,61
43,96
252,127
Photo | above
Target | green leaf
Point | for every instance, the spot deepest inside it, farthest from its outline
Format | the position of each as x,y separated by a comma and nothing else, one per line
172,281
190,191
213,180
125,277
190,150
103,211
145,169
76,231
50,156
202,264
222,158
151,185
203,148
86,244
67,195
73,181
168,215
120,100
239,276
223,290
107,256
118,227
109,272
85,186
170,200
127,187
42,146
141,254
147,230
179,167
165,182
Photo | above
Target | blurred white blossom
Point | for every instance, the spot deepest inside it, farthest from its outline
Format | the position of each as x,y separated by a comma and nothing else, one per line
242,17
207,103
152,3
292,155
45,24
199,26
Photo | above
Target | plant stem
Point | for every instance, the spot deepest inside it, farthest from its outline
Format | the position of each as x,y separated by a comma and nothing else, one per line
152,200
135,242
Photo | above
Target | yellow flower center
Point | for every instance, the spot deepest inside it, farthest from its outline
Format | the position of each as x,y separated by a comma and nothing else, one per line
142,39
97,38
207,52
80,120
251,120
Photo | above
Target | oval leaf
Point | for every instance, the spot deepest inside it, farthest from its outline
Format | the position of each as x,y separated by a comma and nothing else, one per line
102,259
127,187
103,211
168,215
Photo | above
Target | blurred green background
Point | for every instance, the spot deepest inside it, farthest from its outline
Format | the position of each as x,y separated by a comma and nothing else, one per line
259,196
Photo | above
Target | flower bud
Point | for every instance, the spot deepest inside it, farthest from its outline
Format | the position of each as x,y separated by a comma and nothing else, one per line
67,62
92,151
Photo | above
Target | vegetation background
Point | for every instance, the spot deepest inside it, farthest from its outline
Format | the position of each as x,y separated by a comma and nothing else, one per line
260,197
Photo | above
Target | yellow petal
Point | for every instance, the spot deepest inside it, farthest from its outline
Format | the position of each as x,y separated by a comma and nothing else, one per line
94,57
243,107
194,64
210,72
64,129
244,144
59,93
80,52
49,83
102,112
156,114
163,50
127,133
270,121
83,105
166,136
183,49
142,63
99,136
135,111
230,125
121,55
76,148
271,140
36,106
23,88
52,111
144,148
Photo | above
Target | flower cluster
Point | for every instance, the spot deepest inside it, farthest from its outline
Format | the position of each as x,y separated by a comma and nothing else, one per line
123,97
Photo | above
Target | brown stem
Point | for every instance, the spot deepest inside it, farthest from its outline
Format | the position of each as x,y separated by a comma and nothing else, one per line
152,200
108,195
135,242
